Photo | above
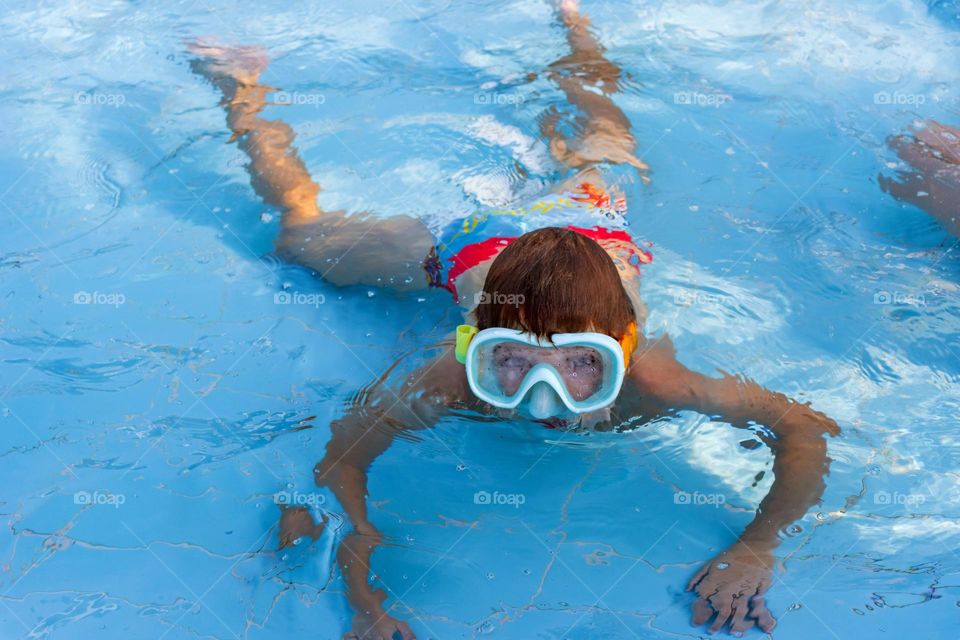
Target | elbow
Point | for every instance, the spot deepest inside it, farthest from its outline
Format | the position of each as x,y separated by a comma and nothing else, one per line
803,451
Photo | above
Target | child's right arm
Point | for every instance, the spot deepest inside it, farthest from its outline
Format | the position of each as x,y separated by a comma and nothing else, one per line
365,432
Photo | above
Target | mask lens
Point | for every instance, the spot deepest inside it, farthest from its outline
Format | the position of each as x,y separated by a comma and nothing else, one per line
510,364
581,369
505,365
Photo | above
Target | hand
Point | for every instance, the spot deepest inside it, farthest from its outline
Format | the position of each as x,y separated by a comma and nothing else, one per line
932,182
732,586
801,417
296,522
378,626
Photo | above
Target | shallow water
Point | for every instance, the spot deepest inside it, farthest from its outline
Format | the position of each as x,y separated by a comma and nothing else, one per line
153,396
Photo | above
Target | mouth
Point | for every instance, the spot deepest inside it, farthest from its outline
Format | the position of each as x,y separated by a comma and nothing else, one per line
553,423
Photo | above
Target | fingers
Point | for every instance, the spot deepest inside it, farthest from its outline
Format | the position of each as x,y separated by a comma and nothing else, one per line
739,622
743,626
702,612
942,138
406,633
758,610
907,189
698,576
739,612
917,154
724,610
638,163
765,584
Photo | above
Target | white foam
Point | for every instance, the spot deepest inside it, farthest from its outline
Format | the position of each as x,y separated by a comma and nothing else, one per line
686,298
527,150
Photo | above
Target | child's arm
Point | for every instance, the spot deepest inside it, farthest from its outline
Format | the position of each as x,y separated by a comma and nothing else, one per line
343,249
733,583
364,433
932,181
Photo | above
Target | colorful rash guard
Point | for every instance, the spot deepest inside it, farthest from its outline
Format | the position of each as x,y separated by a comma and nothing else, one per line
586,209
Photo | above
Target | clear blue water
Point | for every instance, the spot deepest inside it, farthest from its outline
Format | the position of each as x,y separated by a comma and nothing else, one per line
175,400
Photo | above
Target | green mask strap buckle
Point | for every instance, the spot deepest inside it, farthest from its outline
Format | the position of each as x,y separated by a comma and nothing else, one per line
465,333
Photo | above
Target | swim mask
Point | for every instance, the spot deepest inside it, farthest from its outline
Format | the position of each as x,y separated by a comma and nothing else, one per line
575,372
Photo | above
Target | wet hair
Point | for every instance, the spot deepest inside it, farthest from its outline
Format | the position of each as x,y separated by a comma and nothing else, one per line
555,280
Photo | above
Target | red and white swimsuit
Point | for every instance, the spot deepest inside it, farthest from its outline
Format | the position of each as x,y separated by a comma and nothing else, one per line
588,210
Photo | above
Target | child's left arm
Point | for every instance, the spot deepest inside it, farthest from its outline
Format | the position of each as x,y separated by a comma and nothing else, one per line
733,583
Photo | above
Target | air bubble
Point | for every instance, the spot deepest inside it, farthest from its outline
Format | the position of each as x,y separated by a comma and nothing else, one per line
722,565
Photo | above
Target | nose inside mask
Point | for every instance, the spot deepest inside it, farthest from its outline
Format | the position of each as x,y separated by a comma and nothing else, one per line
543,402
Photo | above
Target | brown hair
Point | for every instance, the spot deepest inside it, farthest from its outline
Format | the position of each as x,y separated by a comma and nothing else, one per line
555,280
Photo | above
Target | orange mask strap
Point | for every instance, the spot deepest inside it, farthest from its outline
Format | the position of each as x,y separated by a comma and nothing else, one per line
628,343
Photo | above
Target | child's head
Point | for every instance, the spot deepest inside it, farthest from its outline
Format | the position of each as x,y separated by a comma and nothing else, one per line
555,280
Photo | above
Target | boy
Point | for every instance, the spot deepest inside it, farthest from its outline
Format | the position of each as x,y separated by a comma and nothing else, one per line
556,332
